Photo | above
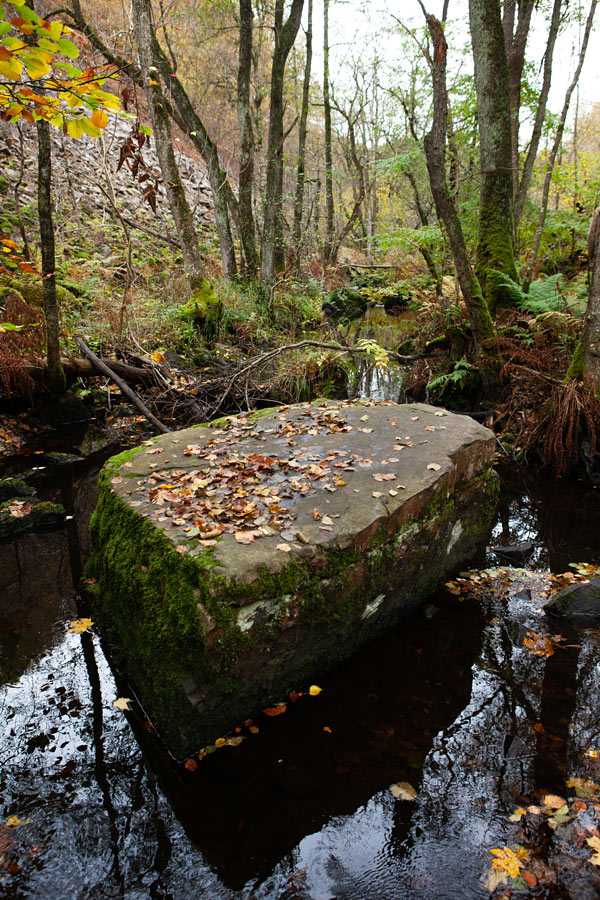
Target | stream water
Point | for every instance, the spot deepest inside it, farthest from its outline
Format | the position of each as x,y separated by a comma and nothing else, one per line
451,702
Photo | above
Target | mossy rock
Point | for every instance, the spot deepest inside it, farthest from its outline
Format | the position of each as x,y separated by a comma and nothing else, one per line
15,488
203,308
43,517
209,635
32,291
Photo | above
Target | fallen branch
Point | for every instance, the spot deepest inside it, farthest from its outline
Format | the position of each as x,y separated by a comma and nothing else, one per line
121,384
84,368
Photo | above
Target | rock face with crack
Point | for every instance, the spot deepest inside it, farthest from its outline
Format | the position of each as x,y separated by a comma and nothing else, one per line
235,562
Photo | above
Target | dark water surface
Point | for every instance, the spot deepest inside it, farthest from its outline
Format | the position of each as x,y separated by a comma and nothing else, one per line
303,808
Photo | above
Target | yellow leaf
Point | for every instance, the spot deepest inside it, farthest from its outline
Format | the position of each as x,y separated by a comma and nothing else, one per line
553,801
314,690
593,754
122,703
402,790
517,815
509,861
12,821
11,68
78,626
583,787
75,128
594,843
37,66
99,118
220,742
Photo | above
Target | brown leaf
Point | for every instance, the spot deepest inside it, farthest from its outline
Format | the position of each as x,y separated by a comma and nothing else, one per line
181,549
384,476
285,548
316,515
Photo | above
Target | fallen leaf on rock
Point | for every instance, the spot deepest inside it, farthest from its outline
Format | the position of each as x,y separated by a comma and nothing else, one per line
434,467
181,549
253,729
393,493
376,494
402,790
363,418
154,450
314,690
413,418
285,548
326,520
275,710
191,765
316,515
211,543
122,703
78,626
220,742
439,414
116,480
234,741
384,476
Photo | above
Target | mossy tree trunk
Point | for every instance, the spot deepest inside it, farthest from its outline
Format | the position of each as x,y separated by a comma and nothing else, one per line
285,35
55,376
435,153
161,124
590,341
329,205
495,249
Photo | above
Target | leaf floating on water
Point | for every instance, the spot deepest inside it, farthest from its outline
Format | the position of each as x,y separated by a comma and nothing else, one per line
402,790
517,815
122,703
538,645
509,861
529,878
314,690
594,843
553,801
13,821
495,877
275,710
434,467
78,626
583,787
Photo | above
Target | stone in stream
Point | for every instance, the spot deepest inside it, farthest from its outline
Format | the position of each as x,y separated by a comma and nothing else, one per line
235,562
577,602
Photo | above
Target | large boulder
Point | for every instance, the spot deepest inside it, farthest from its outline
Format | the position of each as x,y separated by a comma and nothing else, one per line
577,602
234,563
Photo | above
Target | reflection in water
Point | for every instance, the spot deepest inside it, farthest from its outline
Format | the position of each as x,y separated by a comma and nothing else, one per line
451,702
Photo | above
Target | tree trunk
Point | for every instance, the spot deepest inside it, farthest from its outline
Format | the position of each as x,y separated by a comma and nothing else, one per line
515,42
161,125
587,356
55,376
540,115
554,151
495,249
246,185
329,206
285,35
435,152
302,132
187,119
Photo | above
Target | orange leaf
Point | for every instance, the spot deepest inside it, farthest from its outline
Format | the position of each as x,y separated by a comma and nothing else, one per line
275,710
529,877
191,765
99,118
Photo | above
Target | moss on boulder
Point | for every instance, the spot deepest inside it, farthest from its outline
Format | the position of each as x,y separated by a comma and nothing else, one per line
210,632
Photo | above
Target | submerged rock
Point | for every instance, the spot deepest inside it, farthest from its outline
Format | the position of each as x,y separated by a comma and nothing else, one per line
233,563
577,602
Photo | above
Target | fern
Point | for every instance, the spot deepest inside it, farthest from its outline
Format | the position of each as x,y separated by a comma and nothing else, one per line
544,296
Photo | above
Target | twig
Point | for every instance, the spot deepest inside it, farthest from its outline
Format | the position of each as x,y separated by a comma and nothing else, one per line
121,384
272,354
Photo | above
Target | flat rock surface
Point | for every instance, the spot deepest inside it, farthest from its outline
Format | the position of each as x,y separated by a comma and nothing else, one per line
262,489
